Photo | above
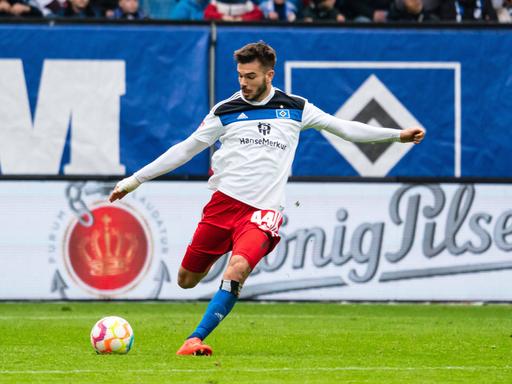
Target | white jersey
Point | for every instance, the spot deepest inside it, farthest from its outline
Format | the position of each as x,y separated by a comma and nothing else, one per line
259,139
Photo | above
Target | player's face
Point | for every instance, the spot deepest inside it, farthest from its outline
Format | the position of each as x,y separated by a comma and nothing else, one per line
255,80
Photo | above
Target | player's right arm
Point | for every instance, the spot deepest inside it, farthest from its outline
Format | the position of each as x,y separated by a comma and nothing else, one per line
174,157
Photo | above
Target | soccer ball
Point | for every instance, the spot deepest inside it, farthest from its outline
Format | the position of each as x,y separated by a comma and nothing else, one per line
112,334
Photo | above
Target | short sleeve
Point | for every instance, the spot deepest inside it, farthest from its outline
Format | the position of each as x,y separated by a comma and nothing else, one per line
209,130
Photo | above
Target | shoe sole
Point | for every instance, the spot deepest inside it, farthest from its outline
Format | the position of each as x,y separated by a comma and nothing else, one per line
202,352
198,352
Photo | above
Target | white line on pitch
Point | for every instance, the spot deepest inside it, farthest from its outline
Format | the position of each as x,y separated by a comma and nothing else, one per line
191,315
180,315
249,370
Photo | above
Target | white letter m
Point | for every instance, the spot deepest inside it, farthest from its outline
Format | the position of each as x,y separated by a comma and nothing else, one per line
83,94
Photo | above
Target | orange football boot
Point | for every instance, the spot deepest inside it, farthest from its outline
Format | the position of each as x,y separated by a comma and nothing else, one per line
195,347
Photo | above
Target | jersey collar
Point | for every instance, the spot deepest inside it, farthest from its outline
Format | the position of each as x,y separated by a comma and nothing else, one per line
262,102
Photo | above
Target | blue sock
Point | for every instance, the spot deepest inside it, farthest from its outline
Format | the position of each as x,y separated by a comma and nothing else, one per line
219,307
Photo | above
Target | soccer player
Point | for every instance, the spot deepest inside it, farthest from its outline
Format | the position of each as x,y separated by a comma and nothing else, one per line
258,128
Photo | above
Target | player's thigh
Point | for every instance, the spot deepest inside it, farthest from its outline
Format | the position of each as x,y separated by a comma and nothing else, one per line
208,244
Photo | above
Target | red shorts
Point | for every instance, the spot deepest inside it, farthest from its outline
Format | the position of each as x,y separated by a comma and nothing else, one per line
230,225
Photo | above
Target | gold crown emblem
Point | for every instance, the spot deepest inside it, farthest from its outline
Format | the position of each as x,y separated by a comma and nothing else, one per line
107,252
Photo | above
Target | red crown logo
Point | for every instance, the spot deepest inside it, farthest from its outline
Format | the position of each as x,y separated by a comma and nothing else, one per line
107,252
112,252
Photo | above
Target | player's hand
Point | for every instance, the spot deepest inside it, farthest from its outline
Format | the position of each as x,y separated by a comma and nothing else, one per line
412,135
124,187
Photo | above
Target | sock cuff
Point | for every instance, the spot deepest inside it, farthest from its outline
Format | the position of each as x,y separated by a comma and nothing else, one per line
231,286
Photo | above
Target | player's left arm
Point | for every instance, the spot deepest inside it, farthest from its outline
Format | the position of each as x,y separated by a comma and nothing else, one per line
358,132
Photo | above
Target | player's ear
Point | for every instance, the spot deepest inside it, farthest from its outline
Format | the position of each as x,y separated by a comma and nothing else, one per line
270,75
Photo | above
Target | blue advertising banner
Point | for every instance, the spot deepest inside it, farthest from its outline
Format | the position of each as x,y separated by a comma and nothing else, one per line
457,84
93,100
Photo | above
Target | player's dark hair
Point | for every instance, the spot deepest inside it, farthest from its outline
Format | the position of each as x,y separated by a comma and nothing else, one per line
260,51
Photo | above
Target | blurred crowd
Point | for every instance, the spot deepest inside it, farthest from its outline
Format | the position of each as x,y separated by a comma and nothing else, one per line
335,11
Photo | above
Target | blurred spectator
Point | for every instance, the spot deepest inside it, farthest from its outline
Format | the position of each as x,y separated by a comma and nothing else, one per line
468,10
503,10
410,10
5,8
79,9
368,10
49,7
19,8
322,10
128,10
279,10
232,10
160,9
189,10
105,8
429,5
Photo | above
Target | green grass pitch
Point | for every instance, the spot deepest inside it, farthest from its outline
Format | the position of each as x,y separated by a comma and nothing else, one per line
262,343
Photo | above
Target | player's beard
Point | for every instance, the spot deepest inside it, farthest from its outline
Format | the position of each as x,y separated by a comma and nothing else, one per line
257,94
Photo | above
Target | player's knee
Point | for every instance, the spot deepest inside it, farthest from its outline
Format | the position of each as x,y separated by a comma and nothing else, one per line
186,281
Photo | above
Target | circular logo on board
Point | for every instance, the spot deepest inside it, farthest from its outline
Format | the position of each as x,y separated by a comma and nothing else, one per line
112,254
